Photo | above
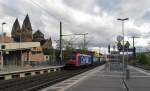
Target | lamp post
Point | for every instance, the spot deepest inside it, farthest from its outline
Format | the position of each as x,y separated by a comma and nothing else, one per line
1,46
2,31
122,21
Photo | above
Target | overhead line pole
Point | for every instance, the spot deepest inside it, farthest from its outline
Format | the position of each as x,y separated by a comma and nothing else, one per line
60,42
84,41
61,35
134,49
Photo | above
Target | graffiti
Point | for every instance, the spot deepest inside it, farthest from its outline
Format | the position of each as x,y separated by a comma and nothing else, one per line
84,60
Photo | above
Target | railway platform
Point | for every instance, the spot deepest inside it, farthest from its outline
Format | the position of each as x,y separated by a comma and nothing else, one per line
18,72
101,79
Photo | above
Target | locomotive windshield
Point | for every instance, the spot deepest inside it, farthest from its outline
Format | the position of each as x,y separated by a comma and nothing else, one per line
72,56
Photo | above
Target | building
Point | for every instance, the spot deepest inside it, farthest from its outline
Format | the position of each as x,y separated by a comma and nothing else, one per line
38,36
6,39
47,44
31,47
22,53
16,31
25,33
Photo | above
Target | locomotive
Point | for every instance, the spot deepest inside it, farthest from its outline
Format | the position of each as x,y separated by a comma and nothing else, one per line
77,59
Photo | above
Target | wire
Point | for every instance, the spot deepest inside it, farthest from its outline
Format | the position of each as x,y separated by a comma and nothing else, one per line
42,8
45,10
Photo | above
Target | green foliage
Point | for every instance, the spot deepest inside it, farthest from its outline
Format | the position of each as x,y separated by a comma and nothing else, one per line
144,58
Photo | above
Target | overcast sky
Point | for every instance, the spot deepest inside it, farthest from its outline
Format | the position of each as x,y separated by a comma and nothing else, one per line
95,17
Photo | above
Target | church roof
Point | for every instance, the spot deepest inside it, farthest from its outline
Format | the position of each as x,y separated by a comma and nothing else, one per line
38,32
26,20
16,25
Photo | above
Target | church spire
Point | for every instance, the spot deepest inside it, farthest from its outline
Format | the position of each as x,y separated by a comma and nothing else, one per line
26,30
16,30
16,24
26,20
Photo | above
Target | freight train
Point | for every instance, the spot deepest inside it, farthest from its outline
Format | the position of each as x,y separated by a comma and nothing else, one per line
76,59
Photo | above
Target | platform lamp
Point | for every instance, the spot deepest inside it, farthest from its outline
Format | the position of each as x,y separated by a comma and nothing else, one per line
2,40
122,21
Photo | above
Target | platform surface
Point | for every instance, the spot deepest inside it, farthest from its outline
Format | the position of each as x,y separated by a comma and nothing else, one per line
112,81
100,79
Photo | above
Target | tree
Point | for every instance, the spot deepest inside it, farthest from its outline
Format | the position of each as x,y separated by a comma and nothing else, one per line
66,44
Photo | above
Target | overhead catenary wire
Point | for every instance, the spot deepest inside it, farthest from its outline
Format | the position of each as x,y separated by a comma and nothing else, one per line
77,27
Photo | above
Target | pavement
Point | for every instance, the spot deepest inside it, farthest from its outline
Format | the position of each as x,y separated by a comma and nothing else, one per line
101,79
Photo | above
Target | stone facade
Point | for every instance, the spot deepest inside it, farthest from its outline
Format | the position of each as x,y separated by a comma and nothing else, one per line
47,44
38,36
26,35
6,39
23,34
16,31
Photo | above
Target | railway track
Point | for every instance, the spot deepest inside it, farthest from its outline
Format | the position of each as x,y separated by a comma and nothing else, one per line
38,82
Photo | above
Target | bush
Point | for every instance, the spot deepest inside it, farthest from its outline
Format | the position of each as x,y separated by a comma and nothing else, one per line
144,59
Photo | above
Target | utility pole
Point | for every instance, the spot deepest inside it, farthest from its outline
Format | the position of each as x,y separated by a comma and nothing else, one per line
84,41
134,54
61,35
60,42
109,48
134,49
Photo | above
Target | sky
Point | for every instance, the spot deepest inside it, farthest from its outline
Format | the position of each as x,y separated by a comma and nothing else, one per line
98,18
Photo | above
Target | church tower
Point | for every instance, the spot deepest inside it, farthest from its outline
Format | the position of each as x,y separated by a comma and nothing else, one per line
26,30
16,31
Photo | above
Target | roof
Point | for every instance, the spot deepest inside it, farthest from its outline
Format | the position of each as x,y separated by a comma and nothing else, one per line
26,20
38,32
16,24
21,45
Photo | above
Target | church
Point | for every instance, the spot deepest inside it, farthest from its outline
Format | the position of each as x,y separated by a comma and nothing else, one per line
25,34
